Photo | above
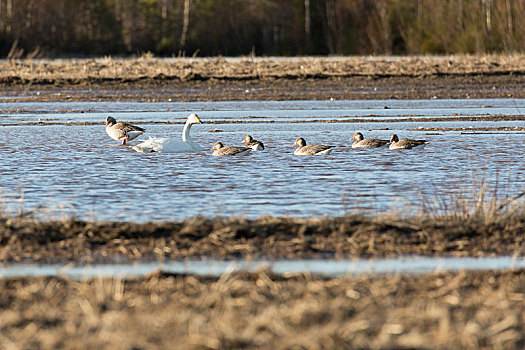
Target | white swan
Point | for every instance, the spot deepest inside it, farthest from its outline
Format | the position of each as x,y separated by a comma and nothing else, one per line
171,145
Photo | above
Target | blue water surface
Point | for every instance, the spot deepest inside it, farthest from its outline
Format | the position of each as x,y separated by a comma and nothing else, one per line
67,165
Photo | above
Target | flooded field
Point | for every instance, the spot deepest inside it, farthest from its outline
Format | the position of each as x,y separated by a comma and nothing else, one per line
56,156
360,248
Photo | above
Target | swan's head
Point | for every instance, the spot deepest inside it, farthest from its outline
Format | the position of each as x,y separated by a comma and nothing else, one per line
247,139
394,138
357,136
299,142
216,146
110,121
194,119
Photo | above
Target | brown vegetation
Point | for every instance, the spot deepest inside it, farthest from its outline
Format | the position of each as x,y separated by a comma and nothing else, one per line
466,310
108,69
463,234
149,79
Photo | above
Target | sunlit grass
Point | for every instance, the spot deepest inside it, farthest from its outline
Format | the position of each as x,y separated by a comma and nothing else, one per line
147,65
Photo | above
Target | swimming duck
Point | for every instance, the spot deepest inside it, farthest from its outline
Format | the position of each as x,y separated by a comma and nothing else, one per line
253,144
220,150
310,150
395,143
361,142
122,131
172,145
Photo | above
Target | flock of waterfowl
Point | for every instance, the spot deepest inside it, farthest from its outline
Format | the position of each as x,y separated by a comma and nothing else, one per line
124,132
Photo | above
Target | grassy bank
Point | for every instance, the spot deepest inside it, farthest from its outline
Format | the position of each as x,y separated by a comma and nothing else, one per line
147,67
457,310
462,231
217,79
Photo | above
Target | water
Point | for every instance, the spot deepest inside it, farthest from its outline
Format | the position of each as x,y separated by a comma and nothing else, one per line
330,268
69,166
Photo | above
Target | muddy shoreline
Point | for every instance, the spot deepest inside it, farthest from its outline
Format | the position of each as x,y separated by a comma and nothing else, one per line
223,238
218,79
462,310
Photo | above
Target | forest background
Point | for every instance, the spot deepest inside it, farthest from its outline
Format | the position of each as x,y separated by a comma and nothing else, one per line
87,28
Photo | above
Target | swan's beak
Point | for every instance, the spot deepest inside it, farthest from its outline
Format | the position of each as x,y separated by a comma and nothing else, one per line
198,120
352,138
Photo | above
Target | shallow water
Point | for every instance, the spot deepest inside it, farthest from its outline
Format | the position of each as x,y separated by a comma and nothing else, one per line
69,168
331,268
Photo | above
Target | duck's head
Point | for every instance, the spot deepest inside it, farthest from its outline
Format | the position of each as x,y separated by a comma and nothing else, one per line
110,121
357,136
194,119
247,139
299,142
216,146
394,138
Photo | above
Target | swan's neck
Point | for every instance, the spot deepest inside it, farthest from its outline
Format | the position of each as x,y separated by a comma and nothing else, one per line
186,132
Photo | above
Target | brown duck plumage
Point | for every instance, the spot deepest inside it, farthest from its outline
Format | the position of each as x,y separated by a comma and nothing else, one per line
122,131
361,142
395,143
310,150
220,150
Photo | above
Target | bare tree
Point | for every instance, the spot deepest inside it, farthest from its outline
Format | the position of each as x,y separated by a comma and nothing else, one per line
509,16
186,22
382,11
486,9
307,19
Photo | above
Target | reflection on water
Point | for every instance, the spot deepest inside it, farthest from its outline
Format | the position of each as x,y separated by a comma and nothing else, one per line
78,169
331,268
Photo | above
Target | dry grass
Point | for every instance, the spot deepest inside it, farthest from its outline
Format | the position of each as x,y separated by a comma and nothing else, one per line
487,229
443,311
218,79
92,70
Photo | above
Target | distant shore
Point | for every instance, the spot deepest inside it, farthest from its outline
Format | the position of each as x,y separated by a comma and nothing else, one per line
303,78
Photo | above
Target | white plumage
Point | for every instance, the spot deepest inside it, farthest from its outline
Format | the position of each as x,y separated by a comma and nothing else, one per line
172,145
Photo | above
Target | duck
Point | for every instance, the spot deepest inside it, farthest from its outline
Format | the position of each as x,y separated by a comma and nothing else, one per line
172,145
220,150
253,144
361,142
310,150
395,143
122,131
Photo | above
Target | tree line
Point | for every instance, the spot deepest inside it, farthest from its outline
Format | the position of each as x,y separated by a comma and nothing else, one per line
66,28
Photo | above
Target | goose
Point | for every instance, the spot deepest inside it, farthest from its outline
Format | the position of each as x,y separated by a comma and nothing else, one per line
361,142
310,150
172,145
395,143
220,150
122,131
253,144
